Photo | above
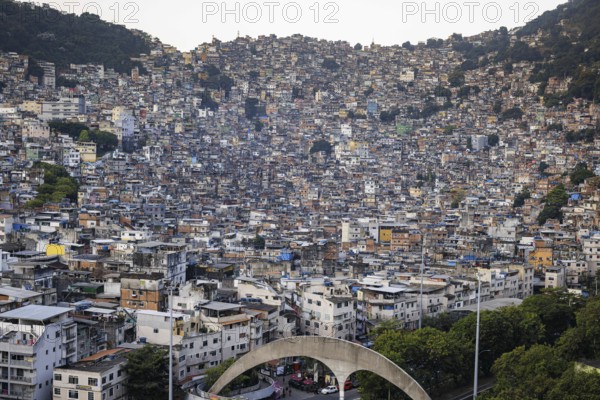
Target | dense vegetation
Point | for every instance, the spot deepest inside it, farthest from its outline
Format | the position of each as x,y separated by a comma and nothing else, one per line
321,145
58,185
554,201
147,370
216,80
105,141
46,34
571,47
530,349
245,380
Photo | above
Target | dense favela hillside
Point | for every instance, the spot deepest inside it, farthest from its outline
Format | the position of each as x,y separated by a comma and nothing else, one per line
44,33
297,186
561,43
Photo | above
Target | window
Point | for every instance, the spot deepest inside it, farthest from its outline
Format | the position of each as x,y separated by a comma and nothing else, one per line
119,372
57,377
73,394
57,391
111,376
110,392
90,395
155,330
92,382
73,380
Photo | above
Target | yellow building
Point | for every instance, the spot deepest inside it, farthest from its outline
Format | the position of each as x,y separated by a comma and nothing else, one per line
87,151
542,255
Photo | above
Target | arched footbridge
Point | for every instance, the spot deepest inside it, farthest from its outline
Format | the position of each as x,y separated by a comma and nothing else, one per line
340,356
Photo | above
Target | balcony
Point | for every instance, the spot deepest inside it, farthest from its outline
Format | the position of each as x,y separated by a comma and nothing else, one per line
69,337
68,351
16,378
16,363
12,394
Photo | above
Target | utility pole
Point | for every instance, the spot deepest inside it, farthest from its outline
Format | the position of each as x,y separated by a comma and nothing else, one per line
476,373
170,341
421,291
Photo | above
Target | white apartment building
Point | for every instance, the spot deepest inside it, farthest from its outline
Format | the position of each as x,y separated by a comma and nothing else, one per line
64,108
34,340
326,312
250,288
98,377
6,226
591,253
204,338
577,272
34,128
555,277
71,158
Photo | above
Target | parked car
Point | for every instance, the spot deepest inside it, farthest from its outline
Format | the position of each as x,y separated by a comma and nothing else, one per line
348,385
329,389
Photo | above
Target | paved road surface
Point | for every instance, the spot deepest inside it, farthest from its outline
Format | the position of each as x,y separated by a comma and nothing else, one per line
348,395
300,395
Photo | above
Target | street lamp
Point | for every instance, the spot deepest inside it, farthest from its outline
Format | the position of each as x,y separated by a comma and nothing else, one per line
476,373
421,291
170,288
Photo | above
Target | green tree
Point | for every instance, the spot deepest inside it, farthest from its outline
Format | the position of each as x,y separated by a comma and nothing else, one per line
576,383
106,142
543,167
583,341
442,322
213,374
148,373
580,174
84,136
556,310
512,113
250,107
259,242
358,46
331,64
321,145
244,380
430,356
528,373
456,78
497,107
521,197
408,46
493,140
555,200
500,332
448,130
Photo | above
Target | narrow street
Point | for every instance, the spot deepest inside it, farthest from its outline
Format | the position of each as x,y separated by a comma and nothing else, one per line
297,394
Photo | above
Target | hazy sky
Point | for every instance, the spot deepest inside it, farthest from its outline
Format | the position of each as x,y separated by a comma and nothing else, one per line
187,23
